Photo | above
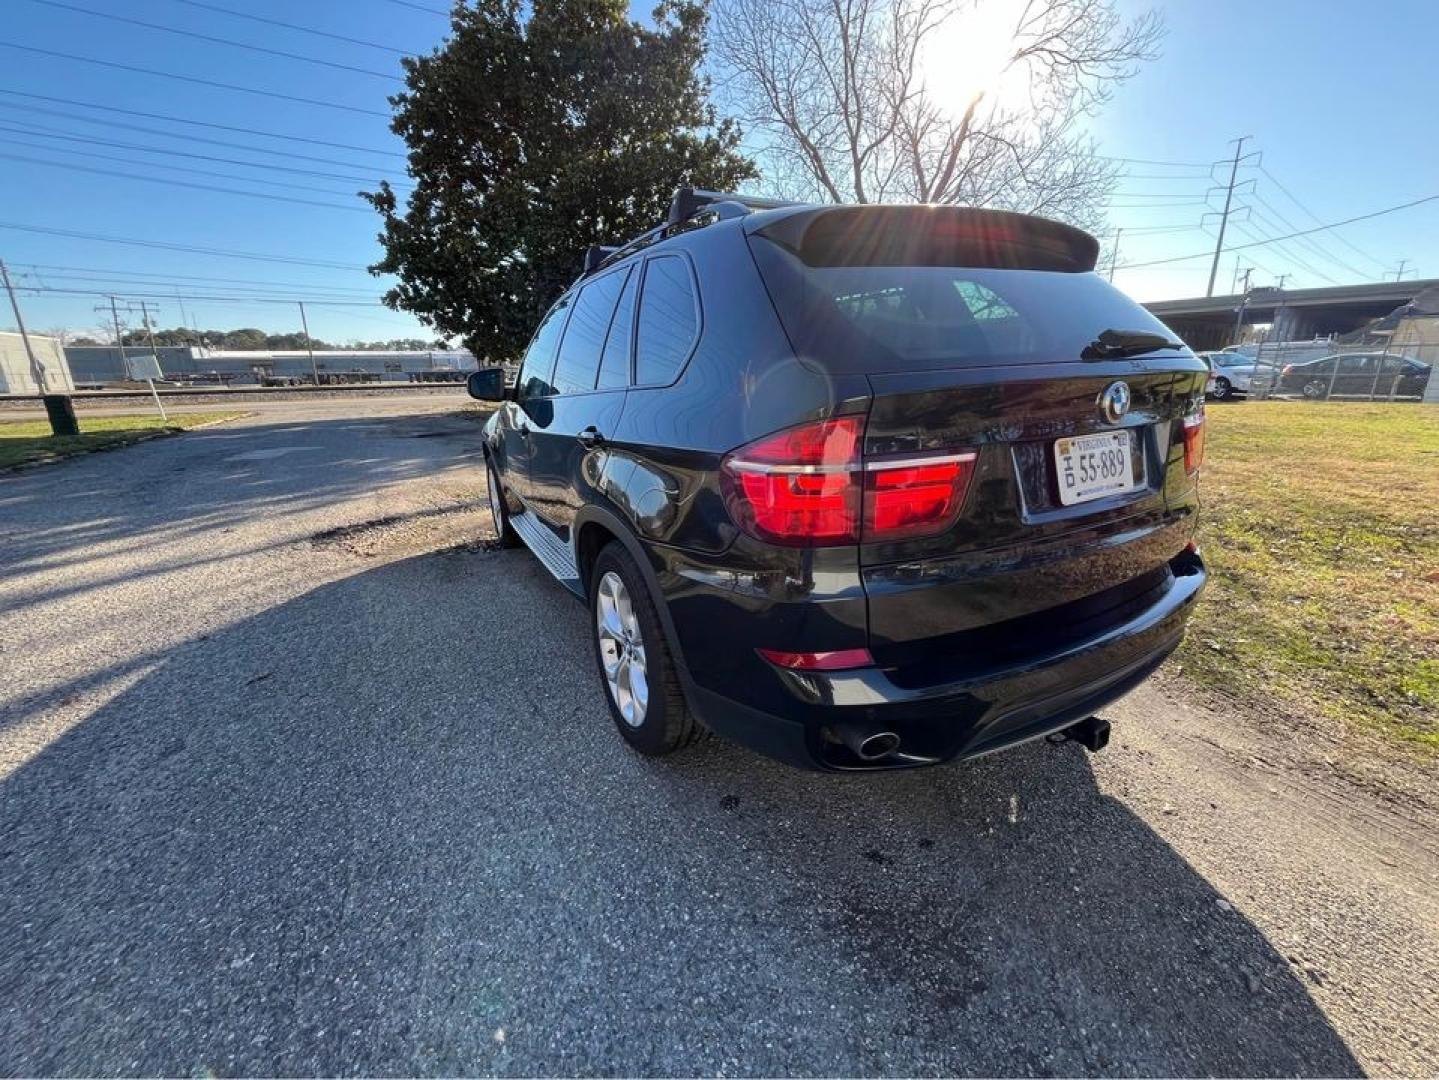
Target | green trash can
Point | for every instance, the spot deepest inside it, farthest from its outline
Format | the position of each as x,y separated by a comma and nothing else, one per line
60,408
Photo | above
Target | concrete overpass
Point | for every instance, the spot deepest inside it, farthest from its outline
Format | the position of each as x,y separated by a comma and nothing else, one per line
1208,322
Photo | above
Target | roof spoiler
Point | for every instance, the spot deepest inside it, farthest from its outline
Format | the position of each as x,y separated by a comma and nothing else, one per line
877,235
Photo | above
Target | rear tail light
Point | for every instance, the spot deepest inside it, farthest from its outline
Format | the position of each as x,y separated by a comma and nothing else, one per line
799,486
914,497
1194,441
807,486
1286,370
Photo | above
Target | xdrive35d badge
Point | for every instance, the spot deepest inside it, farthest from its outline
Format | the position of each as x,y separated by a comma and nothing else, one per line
922,541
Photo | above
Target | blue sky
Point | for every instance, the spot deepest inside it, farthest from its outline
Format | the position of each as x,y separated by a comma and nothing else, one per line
1335,95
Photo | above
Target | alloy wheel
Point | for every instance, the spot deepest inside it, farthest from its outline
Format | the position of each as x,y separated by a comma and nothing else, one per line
622,649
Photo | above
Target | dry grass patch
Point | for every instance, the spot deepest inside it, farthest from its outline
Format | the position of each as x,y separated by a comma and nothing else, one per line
1321,529
29,442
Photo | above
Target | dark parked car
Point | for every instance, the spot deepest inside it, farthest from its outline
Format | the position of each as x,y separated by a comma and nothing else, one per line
1358,374
860,487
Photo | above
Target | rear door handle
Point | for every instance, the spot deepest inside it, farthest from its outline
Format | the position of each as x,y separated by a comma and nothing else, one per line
590,437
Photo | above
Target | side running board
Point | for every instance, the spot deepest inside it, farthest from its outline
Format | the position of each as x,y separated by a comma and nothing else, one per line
553,553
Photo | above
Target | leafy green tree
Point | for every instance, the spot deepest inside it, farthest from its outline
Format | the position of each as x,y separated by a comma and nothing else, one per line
247,338
538,129
293,342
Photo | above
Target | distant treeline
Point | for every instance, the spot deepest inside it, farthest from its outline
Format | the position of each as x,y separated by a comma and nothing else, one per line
250,338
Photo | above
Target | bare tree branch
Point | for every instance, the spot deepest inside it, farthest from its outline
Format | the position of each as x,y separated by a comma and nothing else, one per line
841,101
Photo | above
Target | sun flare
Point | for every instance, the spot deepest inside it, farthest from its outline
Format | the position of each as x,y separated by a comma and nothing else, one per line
968,54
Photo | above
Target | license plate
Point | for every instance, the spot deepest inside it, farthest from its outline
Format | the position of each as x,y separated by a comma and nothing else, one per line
1093,466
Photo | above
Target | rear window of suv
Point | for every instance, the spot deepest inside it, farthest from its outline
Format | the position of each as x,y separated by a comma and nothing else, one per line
903,318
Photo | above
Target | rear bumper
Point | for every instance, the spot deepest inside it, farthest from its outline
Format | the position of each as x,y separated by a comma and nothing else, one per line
941,717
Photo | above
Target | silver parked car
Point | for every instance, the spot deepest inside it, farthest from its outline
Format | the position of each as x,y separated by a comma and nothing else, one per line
1230,373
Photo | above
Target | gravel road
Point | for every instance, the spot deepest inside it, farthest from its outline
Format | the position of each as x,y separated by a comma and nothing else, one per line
296,777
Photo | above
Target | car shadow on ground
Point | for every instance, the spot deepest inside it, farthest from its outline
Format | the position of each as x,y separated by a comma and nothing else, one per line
387,828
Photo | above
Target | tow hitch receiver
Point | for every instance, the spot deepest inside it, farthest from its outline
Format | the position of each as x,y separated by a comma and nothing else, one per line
1092,733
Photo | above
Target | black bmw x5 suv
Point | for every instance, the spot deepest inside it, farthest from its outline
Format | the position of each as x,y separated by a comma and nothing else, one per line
860,487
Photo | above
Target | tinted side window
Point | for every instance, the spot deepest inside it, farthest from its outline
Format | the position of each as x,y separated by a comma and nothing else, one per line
668,321
1360,364
579,360
615,366
534,377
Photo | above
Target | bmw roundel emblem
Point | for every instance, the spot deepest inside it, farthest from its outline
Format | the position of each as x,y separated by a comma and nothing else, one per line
1114,402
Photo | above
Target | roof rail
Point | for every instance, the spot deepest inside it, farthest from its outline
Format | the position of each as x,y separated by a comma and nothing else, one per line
688,201
595,256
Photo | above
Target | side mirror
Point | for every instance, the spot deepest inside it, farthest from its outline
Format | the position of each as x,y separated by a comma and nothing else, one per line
487,384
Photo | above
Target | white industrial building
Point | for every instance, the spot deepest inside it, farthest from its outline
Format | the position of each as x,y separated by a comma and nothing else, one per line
103,365
48,373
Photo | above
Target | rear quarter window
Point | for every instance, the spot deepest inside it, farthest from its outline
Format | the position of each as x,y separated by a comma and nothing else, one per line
668,321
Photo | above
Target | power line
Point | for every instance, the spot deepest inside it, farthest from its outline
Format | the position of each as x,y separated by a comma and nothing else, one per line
92,155
1156,206
1205,165
293,26
203,123
1308,244
320,302
67,136
1281,249
421,7
82,282
107,123
193,79
293,260
111,174
47,281
170,279
229,43
1303,232
1315,217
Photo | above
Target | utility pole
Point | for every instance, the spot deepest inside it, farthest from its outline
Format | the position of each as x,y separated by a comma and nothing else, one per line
120,344
1114,253
1398,274
119,338
1224,217
37,369
1243,304
309,345
154,355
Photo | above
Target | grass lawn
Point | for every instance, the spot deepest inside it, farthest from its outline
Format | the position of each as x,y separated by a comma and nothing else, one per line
25,442
1320,525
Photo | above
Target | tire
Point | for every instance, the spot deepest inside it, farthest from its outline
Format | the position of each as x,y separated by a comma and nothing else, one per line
499,507
1222,390
629,641
1315,389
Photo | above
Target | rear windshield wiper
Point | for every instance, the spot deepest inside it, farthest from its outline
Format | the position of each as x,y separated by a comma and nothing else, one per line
1112,344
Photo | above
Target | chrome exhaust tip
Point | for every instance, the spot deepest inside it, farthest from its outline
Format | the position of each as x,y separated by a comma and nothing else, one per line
866,743
879,745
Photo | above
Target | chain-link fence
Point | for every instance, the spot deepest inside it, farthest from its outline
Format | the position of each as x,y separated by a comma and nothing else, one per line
1333,371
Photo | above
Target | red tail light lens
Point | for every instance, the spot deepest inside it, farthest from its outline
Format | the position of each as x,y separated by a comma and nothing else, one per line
807,486
914,497
1194,441
799,486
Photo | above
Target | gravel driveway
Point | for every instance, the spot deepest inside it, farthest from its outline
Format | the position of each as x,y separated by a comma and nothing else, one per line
297,777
